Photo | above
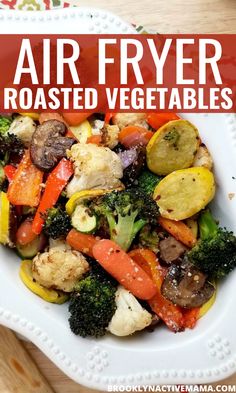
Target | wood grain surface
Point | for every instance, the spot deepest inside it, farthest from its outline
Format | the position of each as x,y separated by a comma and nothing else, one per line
18,372
164,16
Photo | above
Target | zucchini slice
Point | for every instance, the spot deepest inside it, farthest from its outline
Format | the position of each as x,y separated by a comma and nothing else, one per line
184,193
172,147
82,220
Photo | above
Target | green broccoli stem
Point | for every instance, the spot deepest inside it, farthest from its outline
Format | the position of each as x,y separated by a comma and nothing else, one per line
125,229
207,225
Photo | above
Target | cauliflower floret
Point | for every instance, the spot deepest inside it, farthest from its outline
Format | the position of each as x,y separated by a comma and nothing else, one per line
130,316
97,127
59,268
126,119
95,167
23,127
203,158
111,133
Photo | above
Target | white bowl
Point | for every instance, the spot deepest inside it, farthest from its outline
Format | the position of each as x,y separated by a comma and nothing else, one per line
205,354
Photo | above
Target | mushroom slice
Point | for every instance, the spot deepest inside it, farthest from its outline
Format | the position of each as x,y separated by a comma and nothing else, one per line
186,286
49,145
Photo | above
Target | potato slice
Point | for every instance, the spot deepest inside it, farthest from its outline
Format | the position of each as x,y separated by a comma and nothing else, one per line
185,192
172,147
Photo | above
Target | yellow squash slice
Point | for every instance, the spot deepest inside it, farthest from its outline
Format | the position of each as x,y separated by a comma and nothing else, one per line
82,132
184,193
4,218
49,295
172,147
207,306
33,115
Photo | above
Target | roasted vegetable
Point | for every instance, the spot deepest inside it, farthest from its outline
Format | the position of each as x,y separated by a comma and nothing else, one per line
82,131
49,145
156,120
184,192
129,316
49,295
148,238
126,212
121,266
203,158
23,128
92,306
132,171
83,220
4,218
179,230
148,181
11,148
25,188
57,223
170,313
172,147
55,184
186,286
59,267
215,253
5,123
94,167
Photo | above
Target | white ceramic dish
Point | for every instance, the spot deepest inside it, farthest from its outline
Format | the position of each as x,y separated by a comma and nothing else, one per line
206,354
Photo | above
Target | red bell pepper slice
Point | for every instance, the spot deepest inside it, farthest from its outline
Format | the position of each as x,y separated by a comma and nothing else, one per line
156,120
108,117
25,187
10,172
191,317
55,183
170,313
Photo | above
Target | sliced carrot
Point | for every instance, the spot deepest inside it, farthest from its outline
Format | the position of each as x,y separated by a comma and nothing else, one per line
25,187
191,317
50,116
126,271
170,313
96,139
156,120
82,242
179,230
74,119
132,136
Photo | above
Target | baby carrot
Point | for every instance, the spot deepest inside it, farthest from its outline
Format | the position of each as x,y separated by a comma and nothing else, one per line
81,242
127,272
179,230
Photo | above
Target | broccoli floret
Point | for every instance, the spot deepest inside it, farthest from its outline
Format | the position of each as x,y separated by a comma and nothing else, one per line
10,147
126,212
92,306
148,181
57,223
215,253
97,270
148,238
5,123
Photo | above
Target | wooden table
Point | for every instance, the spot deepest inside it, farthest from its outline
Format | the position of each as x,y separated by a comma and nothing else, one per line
165,16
